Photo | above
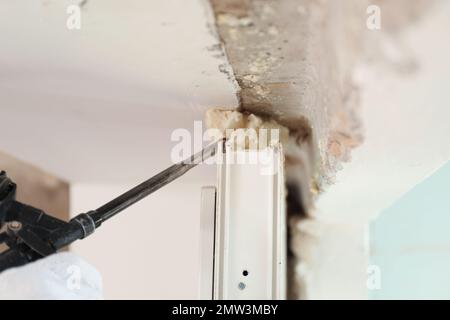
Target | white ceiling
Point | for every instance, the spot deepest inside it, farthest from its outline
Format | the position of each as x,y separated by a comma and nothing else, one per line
99,104
406,119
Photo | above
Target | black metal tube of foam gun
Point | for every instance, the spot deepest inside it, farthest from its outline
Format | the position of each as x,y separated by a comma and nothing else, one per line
31,234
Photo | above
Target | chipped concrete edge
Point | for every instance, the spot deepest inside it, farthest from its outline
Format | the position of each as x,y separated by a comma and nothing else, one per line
218,50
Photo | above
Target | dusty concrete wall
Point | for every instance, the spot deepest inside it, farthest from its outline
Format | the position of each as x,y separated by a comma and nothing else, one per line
292,61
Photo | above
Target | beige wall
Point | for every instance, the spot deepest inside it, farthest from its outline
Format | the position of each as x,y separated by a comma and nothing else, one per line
37,187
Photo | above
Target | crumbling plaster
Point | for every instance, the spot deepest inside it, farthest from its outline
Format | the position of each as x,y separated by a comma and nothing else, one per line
291,65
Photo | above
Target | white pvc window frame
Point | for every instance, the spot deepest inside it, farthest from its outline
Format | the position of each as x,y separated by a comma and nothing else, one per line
250,226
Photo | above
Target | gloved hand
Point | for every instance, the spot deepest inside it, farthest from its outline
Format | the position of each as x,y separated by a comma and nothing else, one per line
58,276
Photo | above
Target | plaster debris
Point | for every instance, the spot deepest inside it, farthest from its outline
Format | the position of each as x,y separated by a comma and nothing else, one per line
245,129
233,21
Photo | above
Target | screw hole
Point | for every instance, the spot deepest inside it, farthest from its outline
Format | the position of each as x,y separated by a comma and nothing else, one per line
245,273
